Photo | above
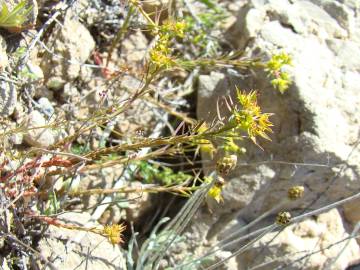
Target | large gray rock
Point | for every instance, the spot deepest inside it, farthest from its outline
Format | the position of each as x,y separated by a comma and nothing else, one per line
71,45
315,122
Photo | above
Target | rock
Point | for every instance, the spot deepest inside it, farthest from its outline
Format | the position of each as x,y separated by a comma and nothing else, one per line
32,73
210,86
4,61
343,14
352,212
296,241
39,137
72,249
8,97
344,50
105,16
105,178
16,139
134,48
138,203
46,106
305,117
315,122
154,8
72,45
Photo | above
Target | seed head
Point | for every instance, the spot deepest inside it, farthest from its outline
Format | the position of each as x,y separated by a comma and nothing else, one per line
283,218
295,192
226,164
220,182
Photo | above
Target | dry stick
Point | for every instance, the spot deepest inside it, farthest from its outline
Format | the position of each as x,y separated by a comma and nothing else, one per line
252,223
125,190
36,149
124,160
146,143
169,110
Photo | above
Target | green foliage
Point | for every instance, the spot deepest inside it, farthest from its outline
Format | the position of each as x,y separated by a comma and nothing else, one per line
160,174
199,30
16,17
79,149
53,205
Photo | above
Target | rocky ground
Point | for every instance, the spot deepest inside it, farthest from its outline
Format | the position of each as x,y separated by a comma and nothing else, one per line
69,89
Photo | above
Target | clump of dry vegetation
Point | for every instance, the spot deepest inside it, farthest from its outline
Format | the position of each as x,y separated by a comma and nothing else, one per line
143,129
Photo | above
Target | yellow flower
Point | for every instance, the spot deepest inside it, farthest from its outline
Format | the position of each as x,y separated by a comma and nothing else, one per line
160,55
250,118
160,59
215,193
206,146
173,28
281,79
113,232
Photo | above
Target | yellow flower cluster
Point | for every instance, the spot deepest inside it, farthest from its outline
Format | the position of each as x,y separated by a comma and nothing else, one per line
281,79
215,193
216,189
160,55
250,118
205,145
113,232
173,28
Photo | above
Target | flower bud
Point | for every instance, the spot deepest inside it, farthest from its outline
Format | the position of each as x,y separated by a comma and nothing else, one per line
226,164
283,218
295,192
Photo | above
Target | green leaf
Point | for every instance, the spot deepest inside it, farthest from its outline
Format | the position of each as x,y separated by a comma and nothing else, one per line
16,17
